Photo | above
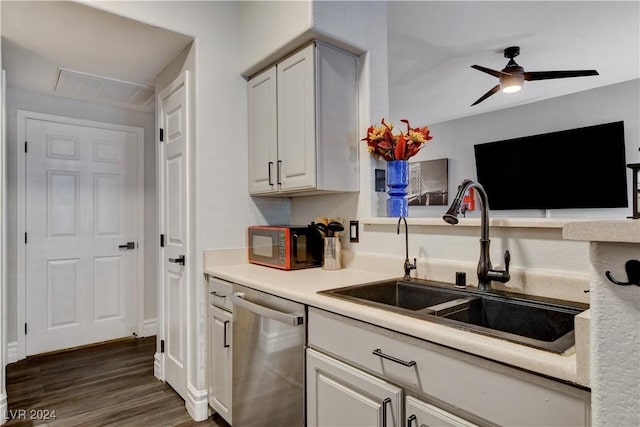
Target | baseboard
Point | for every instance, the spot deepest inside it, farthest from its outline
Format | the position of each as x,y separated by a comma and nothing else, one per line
149,328
197,404
12,352
158,366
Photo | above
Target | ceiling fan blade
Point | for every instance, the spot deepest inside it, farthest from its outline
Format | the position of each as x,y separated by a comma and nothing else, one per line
490,71
546,75
491,91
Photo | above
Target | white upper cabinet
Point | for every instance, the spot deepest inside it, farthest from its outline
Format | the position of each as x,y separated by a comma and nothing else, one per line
303,134
263,132
297,121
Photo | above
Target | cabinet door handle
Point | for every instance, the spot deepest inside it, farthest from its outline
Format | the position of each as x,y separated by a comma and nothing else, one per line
412,418
385,402
224,338
279,172
379,353
270,167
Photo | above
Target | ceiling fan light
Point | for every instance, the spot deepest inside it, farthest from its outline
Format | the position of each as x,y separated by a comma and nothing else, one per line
512,88
511,83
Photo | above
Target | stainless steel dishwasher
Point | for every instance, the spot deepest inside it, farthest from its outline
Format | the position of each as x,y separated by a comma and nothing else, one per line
268,360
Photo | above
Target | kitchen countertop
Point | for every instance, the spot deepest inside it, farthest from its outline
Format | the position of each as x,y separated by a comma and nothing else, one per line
607,230
303,285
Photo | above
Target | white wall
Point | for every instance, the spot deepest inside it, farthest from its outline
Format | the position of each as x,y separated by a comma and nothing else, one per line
615,348
18,99
3,262
269,29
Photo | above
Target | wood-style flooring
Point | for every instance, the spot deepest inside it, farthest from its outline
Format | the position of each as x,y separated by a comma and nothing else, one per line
104,385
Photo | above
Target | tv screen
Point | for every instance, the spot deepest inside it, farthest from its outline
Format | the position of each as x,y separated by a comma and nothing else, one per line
576,168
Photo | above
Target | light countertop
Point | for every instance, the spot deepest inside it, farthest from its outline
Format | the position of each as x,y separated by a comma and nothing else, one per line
612,230
303,285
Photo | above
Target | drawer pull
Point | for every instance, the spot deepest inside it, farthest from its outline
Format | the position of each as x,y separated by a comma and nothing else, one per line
224,338
215,294
378,352
411,420
385,402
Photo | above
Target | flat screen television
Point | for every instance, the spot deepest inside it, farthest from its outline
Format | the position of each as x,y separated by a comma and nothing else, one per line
576,168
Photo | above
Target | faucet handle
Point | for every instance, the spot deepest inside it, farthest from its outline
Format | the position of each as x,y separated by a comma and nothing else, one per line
501,275
504,276
507,260
408,267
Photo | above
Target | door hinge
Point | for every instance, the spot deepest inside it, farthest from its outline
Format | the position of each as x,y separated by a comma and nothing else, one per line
161,346
25,146
162,240
25,329
25,238
161,135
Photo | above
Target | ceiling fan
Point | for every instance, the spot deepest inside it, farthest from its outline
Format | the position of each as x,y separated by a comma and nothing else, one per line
512,76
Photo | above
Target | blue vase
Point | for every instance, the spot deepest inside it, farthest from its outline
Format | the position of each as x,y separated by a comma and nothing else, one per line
397,181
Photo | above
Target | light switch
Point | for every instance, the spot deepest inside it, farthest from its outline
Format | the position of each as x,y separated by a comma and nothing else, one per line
353,231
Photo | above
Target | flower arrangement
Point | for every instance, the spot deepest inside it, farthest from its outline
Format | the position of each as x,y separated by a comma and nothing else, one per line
383,143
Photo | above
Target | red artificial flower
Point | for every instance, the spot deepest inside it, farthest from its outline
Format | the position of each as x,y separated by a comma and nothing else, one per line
381,142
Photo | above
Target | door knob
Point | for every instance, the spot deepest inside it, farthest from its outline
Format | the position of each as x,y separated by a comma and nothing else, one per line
179,260
128,245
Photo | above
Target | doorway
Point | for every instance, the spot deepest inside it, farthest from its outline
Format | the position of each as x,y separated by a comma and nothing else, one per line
81,210
175,256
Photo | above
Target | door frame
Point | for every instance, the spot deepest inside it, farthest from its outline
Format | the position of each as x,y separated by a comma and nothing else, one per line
21,193
3,248
183,79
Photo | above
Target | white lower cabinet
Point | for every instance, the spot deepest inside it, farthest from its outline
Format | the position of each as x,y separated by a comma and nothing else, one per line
339,395
219,331
444,387
419,413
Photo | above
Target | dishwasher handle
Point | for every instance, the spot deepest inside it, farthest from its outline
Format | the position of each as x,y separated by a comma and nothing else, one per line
289,319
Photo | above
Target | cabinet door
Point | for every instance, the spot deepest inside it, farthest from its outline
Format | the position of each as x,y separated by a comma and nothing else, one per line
220,369
340,395
263,132
296,121
419,413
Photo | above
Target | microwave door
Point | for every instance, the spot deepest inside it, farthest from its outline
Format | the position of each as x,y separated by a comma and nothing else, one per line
263,246
299,248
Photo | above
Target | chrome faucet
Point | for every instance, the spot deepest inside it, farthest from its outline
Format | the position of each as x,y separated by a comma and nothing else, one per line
407,264
485,272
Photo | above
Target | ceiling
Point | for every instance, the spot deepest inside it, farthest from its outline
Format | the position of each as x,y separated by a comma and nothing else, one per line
433,44
431,48
116,56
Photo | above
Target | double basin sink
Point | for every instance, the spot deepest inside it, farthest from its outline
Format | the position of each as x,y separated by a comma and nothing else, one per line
538,322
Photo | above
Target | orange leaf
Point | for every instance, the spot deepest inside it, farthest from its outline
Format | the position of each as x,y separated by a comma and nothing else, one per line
401,148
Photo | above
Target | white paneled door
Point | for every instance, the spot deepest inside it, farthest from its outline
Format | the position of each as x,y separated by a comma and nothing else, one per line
174,221
81,212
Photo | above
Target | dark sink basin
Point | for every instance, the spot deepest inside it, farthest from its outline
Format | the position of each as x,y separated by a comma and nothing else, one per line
395,293
537,322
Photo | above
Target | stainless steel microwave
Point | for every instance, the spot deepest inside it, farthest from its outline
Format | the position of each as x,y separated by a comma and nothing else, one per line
285,247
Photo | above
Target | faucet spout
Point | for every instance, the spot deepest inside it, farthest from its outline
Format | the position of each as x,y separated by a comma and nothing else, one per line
408,266
485,271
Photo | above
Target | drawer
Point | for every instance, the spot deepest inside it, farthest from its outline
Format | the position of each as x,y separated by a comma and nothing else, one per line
470,384
220,292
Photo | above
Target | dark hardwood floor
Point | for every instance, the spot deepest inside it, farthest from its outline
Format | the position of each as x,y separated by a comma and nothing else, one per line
105,385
